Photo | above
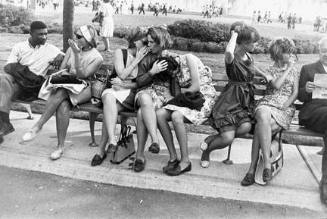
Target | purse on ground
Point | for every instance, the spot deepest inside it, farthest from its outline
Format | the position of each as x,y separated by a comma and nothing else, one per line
125,145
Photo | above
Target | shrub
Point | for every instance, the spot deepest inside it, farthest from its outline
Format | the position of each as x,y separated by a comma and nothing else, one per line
14,16
180,43
202,30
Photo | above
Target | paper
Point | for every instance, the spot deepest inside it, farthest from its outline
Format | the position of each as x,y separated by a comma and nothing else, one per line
320,90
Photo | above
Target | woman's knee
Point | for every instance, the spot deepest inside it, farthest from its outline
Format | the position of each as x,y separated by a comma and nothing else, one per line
145,100
263,115
228,137
177,117
108,99
64,107
162,114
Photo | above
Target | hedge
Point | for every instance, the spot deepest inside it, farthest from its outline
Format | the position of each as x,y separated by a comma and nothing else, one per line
13,16
191,35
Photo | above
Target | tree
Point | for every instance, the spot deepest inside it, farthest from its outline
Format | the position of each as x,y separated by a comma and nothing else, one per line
68,20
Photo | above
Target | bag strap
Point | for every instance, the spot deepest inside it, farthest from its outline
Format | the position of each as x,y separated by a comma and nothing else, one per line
124,51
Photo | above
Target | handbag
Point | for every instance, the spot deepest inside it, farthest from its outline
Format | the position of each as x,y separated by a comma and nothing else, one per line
192,100
99,84
125,145
65,79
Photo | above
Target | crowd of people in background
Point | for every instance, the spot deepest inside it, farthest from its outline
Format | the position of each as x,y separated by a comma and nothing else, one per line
209,11
320,24
257,17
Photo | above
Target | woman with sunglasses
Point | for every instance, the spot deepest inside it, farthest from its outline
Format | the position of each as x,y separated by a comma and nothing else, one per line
120,96
275,110
82,60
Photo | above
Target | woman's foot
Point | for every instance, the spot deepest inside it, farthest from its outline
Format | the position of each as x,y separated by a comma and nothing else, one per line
98,159
139,165
181,168
266,175
203,146
56,154
170,165
112,148
205,159
154,148
30,135
248,180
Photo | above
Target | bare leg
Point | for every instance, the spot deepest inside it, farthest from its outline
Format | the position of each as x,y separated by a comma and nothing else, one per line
163,116
142,135
254,153
179,126
149,116
104,140
62,120
106,43
52,105
110,113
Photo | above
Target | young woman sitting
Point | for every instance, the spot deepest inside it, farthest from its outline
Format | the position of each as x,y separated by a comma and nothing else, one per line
275,110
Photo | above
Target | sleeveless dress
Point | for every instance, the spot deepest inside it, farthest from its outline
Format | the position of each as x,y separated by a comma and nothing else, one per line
206,88
235,104
125,96
275,98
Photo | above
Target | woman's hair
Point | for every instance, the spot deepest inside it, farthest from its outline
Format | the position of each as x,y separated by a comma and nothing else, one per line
279,46
135,35
172,67
246,34
106,1
160,36
93,33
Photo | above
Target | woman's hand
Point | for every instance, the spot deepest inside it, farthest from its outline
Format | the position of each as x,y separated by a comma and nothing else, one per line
141,53
74,46
158,67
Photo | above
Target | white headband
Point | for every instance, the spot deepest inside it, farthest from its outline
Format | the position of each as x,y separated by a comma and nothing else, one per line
86,33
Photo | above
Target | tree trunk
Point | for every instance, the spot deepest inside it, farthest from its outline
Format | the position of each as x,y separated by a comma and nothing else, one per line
67,23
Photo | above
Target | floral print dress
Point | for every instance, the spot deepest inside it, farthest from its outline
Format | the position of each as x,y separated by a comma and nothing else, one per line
206,88
275,98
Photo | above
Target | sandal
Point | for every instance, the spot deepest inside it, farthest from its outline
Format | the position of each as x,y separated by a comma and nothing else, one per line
139,165
97,159
204,163
56,154
171,165
203,146
248,180
266,175
154,148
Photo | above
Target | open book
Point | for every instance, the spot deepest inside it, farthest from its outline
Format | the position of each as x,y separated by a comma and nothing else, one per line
320,90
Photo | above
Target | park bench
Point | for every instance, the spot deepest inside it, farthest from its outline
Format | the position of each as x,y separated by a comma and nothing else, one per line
220,80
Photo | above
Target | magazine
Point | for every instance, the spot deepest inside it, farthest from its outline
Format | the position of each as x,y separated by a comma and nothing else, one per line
320,90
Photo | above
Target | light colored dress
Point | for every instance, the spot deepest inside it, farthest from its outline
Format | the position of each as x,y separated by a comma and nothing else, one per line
275,98
107,28
122,94
206,88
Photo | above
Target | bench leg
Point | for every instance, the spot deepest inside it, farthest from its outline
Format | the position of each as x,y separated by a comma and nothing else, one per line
228,161
28,109
92,118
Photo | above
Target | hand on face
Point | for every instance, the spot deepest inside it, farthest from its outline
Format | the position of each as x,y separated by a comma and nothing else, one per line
142,53
74,46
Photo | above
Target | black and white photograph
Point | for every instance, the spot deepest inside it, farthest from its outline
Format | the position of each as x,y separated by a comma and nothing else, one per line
163,109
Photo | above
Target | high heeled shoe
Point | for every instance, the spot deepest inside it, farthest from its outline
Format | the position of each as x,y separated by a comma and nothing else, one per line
170,165
248,180
30,135
56,154
266,175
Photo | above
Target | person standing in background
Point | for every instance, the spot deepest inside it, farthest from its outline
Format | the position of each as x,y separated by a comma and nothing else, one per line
107,28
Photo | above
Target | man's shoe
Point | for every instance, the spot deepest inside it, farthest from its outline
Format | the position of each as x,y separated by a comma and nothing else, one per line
6,128
323,190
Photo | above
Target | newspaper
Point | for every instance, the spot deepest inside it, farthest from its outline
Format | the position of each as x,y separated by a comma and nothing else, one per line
320,90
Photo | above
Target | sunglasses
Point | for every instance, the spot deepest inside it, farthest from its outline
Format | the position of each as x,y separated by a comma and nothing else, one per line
78,36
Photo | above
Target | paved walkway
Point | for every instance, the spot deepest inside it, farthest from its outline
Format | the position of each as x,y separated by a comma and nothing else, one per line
294,186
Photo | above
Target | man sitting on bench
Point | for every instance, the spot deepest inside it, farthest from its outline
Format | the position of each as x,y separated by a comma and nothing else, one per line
25,69
313,114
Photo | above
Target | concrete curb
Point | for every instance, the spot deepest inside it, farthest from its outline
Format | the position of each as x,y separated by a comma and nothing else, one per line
153,179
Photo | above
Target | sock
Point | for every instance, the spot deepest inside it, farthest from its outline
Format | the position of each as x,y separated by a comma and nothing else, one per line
4,117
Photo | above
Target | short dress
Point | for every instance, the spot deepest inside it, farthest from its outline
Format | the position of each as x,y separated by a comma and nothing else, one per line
275,98
206,88
123,94
159,92
107,28
235,104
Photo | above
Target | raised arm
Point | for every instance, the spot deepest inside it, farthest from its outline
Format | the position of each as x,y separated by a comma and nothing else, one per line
230,48
193,66
122,71
293,96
